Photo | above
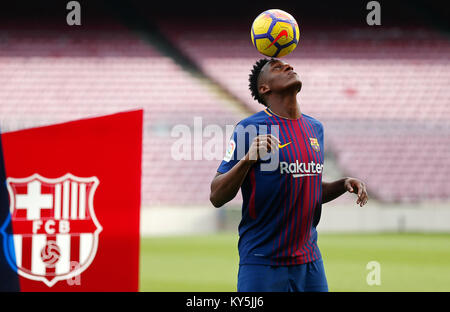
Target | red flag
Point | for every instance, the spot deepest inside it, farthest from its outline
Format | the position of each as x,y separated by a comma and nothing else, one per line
74,192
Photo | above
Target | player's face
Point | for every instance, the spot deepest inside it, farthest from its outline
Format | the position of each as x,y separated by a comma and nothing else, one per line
280,76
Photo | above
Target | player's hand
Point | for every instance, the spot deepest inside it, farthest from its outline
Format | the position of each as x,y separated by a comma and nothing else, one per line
356,186
261,146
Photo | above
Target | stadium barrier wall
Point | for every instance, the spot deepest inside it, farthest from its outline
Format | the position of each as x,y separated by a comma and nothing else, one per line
375,217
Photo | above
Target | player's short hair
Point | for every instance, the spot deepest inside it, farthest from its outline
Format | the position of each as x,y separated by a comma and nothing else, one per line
253,79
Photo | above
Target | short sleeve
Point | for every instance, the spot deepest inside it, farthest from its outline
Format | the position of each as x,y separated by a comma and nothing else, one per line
321,139
237,148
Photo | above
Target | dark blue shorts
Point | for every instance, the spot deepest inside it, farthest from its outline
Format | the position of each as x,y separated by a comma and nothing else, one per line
309,277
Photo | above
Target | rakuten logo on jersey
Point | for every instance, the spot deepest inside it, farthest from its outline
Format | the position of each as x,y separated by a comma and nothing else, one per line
301,169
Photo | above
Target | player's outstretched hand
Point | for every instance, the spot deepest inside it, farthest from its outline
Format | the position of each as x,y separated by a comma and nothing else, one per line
356,186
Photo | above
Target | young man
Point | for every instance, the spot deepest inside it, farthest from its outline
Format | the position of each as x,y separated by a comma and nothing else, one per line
282,205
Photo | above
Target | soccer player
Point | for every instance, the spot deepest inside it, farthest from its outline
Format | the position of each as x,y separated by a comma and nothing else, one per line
281,208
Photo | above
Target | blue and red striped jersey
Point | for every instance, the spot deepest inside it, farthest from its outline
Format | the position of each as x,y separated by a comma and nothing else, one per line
281,207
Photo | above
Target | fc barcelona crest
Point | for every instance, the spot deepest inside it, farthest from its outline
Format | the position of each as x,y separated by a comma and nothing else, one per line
314,144
55,231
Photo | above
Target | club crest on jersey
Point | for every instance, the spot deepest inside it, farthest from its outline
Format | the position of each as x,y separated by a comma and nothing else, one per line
52,231
314,144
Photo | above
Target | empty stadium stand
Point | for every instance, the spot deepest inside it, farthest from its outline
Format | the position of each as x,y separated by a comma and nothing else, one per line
383,97
49,76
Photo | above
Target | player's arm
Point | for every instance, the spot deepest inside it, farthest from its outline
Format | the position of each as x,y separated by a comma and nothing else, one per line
332,190
225,186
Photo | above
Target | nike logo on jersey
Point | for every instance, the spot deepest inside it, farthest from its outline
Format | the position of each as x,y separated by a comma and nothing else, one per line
282,33
281,146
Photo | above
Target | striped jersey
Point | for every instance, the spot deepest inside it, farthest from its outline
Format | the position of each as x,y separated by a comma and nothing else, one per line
282,199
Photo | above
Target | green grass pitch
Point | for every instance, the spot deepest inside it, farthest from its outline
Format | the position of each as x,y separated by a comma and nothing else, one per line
408,262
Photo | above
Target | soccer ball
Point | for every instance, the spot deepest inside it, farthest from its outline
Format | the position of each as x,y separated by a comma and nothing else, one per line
275,33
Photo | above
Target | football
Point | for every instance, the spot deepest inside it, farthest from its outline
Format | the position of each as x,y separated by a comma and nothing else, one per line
275,33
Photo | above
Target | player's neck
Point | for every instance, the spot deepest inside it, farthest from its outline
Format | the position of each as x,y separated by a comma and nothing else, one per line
285,106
